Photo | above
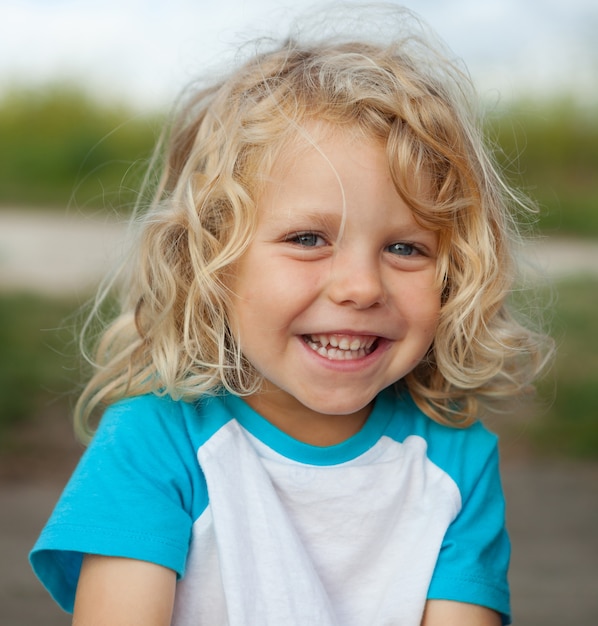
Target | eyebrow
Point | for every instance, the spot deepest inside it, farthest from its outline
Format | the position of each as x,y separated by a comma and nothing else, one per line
323,219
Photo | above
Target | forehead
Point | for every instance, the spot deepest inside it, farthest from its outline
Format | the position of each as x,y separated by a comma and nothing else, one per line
315,148
334,180
304,162
319,143
322,156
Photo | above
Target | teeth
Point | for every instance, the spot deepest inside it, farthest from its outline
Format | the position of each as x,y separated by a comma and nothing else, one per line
340,347
355,344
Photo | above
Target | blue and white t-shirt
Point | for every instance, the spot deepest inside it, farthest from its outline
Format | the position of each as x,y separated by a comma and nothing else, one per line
262,529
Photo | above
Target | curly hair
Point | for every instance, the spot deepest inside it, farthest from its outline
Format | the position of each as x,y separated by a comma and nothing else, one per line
172,334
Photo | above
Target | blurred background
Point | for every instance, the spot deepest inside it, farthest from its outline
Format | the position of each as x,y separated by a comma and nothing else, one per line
84,89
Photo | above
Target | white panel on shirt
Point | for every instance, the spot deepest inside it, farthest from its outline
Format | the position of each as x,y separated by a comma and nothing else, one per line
287,544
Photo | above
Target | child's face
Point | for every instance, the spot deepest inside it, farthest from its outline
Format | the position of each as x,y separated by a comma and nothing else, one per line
331,313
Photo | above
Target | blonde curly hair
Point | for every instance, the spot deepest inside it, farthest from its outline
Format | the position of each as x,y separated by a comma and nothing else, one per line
172,334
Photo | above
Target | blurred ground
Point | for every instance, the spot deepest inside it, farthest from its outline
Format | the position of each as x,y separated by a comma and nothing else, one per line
552,514
552,504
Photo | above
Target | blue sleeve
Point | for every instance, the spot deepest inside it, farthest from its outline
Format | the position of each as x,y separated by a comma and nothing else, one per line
474,558
132,495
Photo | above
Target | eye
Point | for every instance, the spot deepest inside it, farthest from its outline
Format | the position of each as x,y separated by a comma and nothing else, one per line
403,249
307,240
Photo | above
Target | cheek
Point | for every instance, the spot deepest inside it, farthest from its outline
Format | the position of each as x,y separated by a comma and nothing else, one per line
422,299
433,319
425,313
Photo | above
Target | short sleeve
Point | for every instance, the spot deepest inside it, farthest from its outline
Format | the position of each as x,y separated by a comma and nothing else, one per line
132,495
474,558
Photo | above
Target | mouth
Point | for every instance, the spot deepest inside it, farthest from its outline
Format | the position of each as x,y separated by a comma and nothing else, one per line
340,347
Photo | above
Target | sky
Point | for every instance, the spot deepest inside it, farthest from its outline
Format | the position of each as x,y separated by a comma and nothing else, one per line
145,51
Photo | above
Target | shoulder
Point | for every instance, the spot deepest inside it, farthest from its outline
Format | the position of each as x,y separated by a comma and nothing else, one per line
409,419
462,453
150,410
149,415
135,493
150,443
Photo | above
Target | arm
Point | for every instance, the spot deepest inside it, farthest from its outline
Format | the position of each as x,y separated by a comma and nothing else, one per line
118,592
472,565
446,613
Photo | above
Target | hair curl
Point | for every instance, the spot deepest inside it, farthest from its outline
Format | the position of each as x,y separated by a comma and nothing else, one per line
172,335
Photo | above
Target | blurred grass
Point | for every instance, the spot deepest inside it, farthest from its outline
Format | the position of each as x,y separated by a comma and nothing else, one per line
569,427
58,147
37,356
38,363
550,150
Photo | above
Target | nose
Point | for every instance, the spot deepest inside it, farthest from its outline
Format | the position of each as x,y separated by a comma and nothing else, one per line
356,280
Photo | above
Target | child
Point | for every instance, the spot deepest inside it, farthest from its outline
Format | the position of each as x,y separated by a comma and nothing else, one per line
314,318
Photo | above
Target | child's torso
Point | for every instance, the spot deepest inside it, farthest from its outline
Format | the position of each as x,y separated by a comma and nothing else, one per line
287,542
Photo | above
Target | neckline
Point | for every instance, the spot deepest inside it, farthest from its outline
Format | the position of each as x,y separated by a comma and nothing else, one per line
291,448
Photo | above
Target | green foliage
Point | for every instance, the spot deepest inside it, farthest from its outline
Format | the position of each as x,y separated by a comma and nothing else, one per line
550,150
37,356
58,147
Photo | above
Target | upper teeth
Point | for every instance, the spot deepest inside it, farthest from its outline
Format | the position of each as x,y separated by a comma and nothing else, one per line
344,342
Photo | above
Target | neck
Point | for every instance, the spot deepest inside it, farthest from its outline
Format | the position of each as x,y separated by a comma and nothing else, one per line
304,424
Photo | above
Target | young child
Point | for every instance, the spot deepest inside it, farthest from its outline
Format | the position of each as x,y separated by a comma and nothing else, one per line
314,319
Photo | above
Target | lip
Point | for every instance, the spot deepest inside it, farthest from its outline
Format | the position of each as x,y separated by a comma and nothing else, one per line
348,333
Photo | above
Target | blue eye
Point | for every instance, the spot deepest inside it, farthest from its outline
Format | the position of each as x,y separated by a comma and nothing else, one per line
402,249
306,240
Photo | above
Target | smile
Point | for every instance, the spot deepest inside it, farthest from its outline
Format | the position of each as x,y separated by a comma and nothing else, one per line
341,347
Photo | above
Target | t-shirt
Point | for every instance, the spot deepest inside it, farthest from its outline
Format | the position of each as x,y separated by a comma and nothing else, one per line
263,529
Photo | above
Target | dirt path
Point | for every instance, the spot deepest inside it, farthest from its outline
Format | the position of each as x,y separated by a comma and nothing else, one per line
54,253
57,253
552,510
